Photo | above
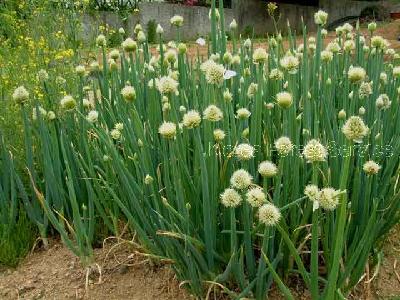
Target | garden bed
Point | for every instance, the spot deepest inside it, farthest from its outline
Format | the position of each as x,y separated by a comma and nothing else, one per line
56,273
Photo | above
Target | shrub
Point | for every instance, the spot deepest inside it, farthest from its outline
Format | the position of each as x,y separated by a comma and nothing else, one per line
151,32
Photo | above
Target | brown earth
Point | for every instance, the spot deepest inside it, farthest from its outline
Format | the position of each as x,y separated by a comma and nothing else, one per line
57,274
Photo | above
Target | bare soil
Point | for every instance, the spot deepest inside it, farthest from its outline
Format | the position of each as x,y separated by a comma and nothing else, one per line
56,274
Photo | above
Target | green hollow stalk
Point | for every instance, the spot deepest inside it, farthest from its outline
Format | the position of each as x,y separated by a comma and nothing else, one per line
339,231
314,242
261,283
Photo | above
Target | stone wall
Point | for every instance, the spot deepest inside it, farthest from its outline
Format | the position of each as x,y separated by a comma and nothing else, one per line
253,13
196,20
248,13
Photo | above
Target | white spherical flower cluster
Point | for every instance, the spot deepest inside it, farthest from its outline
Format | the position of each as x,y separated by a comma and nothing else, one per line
347,28
191,119
269,215
255,197
177,21
396,72
244,151
214,72
167,130
114,54
372,26
314,151
171,56
119,126
378,42
383,102
267,169
276,74
355,129
241,179
20,95
148,179
80,70
284,99
219,135
349,45
320,17
128,93
312,192
227,58
167,85
92,116
365,90
342,114
68,103
328,198
290,63
213,113
243,113
138,27
334,47
252,90
356,74
283,145
42,75
101,40
260,55
94,66
371,167
51,115
115,134
205,65
129,45
230,198
327,56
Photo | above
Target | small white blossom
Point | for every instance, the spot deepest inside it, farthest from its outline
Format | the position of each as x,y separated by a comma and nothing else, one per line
269,214
267,169
167,130
92,116
283,145
244,151
241,179
230,198
213,113
255,197
371,167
